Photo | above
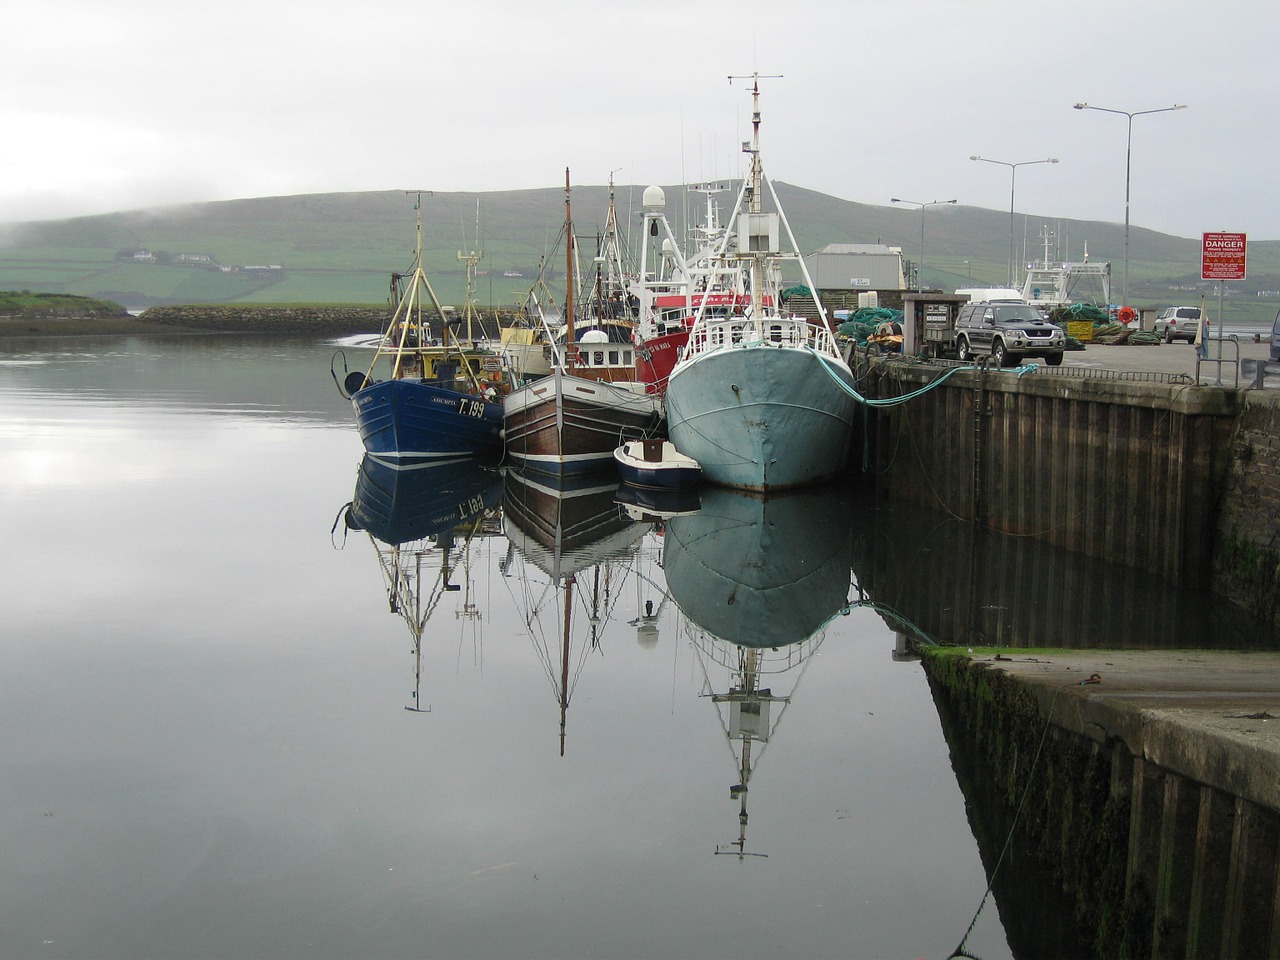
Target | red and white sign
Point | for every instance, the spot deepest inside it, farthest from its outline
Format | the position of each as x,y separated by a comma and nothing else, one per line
1222,256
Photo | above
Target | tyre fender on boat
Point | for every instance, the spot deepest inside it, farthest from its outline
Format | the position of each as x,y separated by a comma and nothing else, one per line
355,382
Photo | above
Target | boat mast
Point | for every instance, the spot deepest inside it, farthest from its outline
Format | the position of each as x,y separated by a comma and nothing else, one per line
570,351
755,205
748,693
472,259
564,658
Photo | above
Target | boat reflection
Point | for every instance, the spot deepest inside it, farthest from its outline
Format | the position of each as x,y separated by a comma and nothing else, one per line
757,580
581,547
422,523
655,506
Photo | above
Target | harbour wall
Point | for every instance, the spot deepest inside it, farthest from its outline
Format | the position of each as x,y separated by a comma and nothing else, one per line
1178,480
1158,862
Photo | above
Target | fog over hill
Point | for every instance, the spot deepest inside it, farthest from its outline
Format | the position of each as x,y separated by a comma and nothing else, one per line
342,247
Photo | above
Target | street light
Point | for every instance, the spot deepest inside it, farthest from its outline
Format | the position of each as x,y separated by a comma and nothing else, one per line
921,205
1013,175
1128,152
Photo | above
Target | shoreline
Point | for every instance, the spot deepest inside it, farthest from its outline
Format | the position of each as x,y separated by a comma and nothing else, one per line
199,320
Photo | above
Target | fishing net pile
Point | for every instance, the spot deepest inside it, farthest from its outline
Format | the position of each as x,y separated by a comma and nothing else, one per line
1085,322
1077,312
873,325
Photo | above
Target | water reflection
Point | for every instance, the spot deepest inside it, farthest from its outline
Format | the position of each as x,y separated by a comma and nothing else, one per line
760,572
573,553
757,581
422,524
192,780
961,584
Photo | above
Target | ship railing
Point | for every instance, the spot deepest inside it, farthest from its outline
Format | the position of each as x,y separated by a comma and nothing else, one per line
716,333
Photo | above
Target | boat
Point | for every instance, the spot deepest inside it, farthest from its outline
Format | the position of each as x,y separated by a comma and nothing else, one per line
670,289
575,549
762,400
423,523
603,333
601,339
1052,285
441,399
566,423
756,580
656,464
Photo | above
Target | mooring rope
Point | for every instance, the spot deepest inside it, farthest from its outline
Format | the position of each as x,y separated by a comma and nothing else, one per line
895,401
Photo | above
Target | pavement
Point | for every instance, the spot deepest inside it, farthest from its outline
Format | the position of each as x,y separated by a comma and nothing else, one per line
1181,358
1213,716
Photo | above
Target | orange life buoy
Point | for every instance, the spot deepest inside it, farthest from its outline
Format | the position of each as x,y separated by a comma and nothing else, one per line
1126,315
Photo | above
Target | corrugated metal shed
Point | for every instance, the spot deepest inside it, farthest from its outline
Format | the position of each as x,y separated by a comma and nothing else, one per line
857,266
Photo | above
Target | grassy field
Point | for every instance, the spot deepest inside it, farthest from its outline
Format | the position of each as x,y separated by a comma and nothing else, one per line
343,247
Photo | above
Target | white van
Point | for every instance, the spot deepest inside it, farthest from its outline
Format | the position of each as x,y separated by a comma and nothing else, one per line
991,295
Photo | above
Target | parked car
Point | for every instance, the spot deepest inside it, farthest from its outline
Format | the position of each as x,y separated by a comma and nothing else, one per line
1009,332
1275,338
1178,323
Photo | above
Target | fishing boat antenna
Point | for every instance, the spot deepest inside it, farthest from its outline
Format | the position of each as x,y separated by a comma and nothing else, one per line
569,349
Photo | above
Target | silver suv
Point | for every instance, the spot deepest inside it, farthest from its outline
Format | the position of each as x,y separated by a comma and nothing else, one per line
1009,332
1178,323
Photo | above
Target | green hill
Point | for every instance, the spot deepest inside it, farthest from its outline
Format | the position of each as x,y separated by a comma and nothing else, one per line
342,248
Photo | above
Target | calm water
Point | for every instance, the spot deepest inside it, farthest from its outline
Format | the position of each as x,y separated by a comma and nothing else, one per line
224,740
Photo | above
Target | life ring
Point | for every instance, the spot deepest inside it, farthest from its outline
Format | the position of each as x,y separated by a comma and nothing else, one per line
1126,315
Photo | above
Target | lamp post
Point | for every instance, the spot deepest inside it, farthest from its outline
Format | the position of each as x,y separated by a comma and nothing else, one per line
921,205
1013,176
1128,153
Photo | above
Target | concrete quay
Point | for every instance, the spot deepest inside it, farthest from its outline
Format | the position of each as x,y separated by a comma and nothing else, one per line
1142,783
1171,358
1211,716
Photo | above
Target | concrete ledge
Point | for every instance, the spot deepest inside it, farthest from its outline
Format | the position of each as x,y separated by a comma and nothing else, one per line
1201,714
1184,398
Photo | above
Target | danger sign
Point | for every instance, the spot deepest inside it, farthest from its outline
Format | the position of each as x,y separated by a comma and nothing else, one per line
1222,256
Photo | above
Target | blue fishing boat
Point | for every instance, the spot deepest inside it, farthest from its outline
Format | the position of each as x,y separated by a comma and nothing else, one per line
441,399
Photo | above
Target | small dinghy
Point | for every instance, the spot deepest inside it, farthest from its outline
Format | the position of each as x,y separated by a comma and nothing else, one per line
656,464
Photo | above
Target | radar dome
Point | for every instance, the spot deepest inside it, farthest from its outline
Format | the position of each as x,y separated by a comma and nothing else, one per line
654,199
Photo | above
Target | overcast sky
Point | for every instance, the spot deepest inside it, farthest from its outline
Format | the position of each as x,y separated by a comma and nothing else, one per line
118,105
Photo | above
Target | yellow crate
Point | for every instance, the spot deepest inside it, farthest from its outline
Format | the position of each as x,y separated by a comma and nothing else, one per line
1082,330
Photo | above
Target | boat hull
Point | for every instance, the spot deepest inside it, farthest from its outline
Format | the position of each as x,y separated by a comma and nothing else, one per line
666,470
568,425
413,422
656,357
762,417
